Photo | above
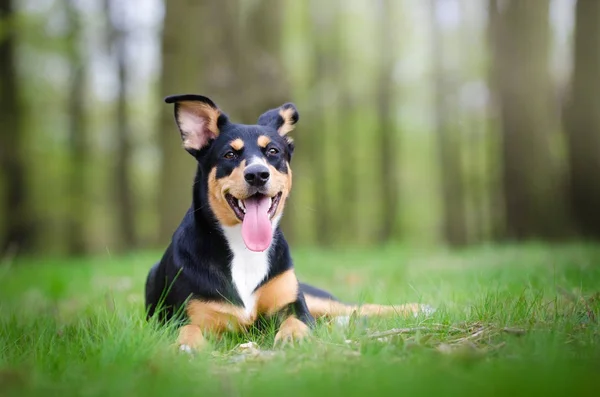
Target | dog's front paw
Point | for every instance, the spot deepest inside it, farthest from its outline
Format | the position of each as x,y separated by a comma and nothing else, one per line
190,339
291,330
186,349
426,310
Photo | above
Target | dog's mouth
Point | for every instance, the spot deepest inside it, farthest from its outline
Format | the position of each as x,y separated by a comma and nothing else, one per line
239,206
256,213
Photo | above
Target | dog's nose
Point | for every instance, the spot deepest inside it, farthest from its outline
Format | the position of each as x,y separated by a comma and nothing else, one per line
256,175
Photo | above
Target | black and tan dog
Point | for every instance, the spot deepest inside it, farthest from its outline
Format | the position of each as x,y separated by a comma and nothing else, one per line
228,263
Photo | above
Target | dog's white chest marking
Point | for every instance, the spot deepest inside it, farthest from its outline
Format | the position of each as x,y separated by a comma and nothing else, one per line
248,268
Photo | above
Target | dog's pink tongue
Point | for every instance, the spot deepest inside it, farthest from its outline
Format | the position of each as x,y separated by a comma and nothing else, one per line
256,227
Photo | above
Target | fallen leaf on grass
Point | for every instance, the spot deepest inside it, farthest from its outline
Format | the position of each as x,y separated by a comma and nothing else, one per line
251,351
248,348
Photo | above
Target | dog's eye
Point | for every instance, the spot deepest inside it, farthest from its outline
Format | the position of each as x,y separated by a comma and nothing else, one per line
272,151
229,155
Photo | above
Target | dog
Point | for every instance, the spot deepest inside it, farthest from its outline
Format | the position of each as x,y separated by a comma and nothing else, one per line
228,264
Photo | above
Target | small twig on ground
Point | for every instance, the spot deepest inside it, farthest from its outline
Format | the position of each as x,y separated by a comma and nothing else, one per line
450,328
574,298
589,311
476,334
567,294
493,348
470,337
514,331
399,331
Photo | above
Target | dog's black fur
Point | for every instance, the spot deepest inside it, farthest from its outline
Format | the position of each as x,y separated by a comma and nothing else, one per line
196,264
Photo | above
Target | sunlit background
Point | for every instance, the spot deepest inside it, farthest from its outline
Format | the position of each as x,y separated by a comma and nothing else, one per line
422,122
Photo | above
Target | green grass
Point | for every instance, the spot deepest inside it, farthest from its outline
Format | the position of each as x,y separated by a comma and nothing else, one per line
510,321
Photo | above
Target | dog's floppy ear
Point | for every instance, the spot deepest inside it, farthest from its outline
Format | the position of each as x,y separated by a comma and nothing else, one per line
283,119
197,118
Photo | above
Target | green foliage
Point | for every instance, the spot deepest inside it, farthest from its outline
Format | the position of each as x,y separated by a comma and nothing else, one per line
510,321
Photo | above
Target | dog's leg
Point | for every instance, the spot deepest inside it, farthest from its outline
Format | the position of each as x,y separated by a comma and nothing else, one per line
296,325
214,317
190,338
291,330
282,296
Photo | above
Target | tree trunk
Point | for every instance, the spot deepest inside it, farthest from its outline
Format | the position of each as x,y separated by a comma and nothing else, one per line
583,121
243,72
318,154
323,68
78,148
265,81
263,32
349,105
533,193
18,233
185,49
454,224
244,80
496,205
388,147
122,170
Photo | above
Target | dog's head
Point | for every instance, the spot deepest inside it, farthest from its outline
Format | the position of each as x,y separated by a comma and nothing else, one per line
246,167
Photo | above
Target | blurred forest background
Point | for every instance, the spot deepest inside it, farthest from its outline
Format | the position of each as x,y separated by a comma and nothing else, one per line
423,122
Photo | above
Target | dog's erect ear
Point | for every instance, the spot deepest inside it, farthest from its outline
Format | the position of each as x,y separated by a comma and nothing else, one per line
197,118
283,119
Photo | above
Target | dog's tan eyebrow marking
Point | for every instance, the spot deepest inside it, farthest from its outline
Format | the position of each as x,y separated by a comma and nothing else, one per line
263,141
237,144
